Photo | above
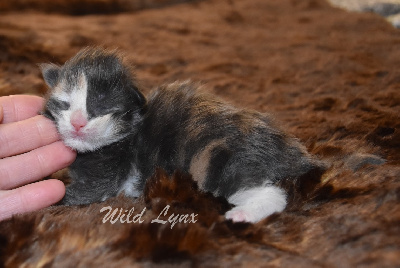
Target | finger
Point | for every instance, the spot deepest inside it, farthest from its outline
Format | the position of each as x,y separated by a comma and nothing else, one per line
30,197
26,135
28,167
20,107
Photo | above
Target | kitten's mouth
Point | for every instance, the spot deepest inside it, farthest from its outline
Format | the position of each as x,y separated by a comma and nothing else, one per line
78,135
78,140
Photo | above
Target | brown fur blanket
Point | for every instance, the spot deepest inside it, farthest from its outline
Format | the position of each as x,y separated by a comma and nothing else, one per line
330,77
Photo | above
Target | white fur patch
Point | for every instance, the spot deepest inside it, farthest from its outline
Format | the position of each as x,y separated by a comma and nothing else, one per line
255,204
129,188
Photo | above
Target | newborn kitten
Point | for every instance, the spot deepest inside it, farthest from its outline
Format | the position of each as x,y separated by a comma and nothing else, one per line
121,138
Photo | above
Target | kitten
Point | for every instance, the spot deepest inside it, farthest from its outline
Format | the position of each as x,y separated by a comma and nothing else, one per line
121,138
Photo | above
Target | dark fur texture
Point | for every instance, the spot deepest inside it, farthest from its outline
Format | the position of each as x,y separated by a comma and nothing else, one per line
180,122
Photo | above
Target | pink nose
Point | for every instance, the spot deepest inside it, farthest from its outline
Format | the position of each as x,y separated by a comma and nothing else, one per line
78,120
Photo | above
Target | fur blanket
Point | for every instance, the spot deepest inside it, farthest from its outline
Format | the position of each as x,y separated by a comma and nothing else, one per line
329,76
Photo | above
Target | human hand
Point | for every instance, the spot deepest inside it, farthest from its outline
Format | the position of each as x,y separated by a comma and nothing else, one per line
30,149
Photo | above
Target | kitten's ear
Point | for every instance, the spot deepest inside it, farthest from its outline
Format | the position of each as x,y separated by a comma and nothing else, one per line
51,73
140,98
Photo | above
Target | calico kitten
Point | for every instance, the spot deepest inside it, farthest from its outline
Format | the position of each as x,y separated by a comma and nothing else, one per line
121,138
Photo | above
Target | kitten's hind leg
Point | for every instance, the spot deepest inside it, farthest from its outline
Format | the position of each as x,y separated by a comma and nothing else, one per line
254,204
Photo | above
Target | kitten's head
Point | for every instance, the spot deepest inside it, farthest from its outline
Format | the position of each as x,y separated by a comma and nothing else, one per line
93,99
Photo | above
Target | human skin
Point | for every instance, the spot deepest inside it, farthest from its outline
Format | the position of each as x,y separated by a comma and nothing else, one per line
30,149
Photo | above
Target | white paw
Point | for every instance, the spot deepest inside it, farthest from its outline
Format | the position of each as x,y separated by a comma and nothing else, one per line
255,204
239,215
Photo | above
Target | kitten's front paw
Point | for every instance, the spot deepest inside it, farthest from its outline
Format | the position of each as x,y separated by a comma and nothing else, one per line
239,215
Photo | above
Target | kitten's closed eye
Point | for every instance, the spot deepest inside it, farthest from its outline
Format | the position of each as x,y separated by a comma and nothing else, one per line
103,109
123,115
59,104
55,106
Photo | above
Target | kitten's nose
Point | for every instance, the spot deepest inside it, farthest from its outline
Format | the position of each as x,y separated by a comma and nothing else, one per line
78,120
